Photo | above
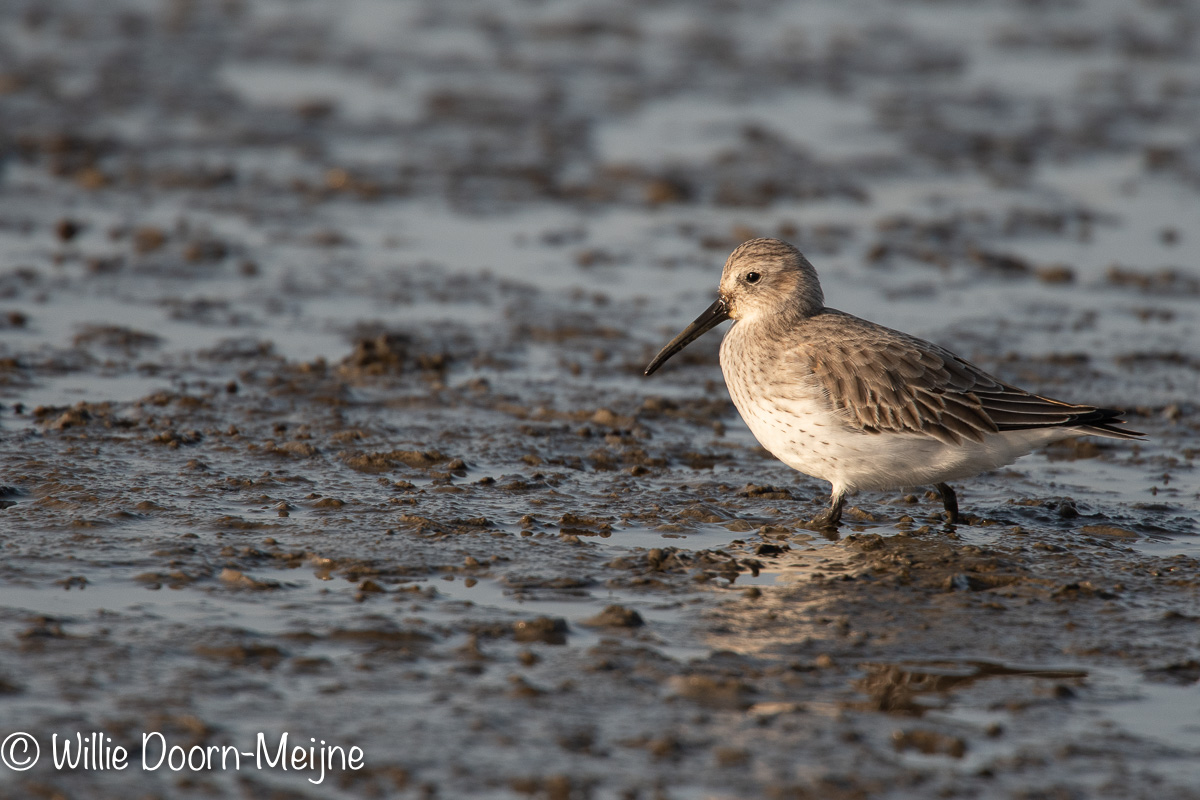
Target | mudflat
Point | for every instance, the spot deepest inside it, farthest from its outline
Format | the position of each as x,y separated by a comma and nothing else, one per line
321,409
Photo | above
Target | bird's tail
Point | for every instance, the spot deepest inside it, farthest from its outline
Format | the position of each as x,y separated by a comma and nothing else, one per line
1107,426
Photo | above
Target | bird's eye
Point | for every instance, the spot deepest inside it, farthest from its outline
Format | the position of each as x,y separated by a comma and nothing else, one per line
753,277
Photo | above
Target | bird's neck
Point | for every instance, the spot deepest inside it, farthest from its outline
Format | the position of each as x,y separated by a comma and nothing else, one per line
780,320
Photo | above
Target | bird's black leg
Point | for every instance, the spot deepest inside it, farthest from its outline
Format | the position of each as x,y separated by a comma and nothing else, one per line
950,501
830,517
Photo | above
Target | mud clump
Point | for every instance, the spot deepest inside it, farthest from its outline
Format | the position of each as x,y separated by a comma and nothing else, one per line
266,657
395,459
239,580
929,743
116,337
547,630
384,354
765,492
713,692
615,616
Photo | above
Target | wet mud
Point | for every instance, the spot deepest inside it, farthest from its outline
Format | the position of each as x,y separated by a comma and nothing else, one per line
321,408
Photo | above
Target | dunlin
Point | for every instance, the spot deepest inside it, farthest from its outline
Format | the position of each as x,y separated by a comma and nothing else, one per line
860,405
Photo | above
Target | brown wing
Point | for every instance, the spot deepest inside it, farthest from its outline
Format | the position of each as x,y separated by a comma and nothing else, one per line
882,380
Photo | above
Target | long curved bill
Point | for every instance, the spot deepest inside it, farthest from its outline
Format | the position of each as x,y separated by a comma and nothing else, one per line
713,316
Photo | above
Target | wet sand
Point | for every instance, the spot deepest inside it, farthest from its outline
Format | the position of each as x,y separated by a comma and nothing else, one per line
321,406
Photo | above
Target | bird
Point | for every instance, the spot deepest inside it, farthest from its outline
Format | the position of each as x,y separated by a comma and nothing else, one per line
860,405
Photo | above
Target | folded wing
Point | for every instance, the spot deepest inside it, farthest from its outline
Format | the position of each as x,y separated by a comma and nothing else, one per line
884,381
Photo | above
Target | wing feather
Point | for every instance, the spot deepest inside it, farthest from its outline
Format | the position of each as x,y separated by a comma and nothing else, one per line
883,381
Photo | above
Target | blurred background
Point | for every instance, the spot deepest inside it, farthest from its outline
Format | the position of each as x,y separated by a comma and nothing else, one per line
281,161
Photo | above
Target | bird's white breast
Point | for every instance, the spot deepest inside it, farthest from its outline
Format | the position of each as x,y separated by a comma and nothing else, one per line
787,414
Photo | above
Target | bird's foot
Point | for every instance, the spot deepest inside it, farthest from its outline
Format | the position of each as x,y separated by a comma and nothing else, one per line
949,501
823,522
829,519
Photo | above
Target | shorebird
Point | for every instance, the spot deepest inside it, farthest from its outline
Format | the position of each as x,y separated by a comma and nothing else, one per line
859,405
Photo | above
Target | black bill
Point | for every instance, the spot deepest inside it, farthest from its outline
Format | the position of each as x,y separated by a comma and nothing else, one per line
713,316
